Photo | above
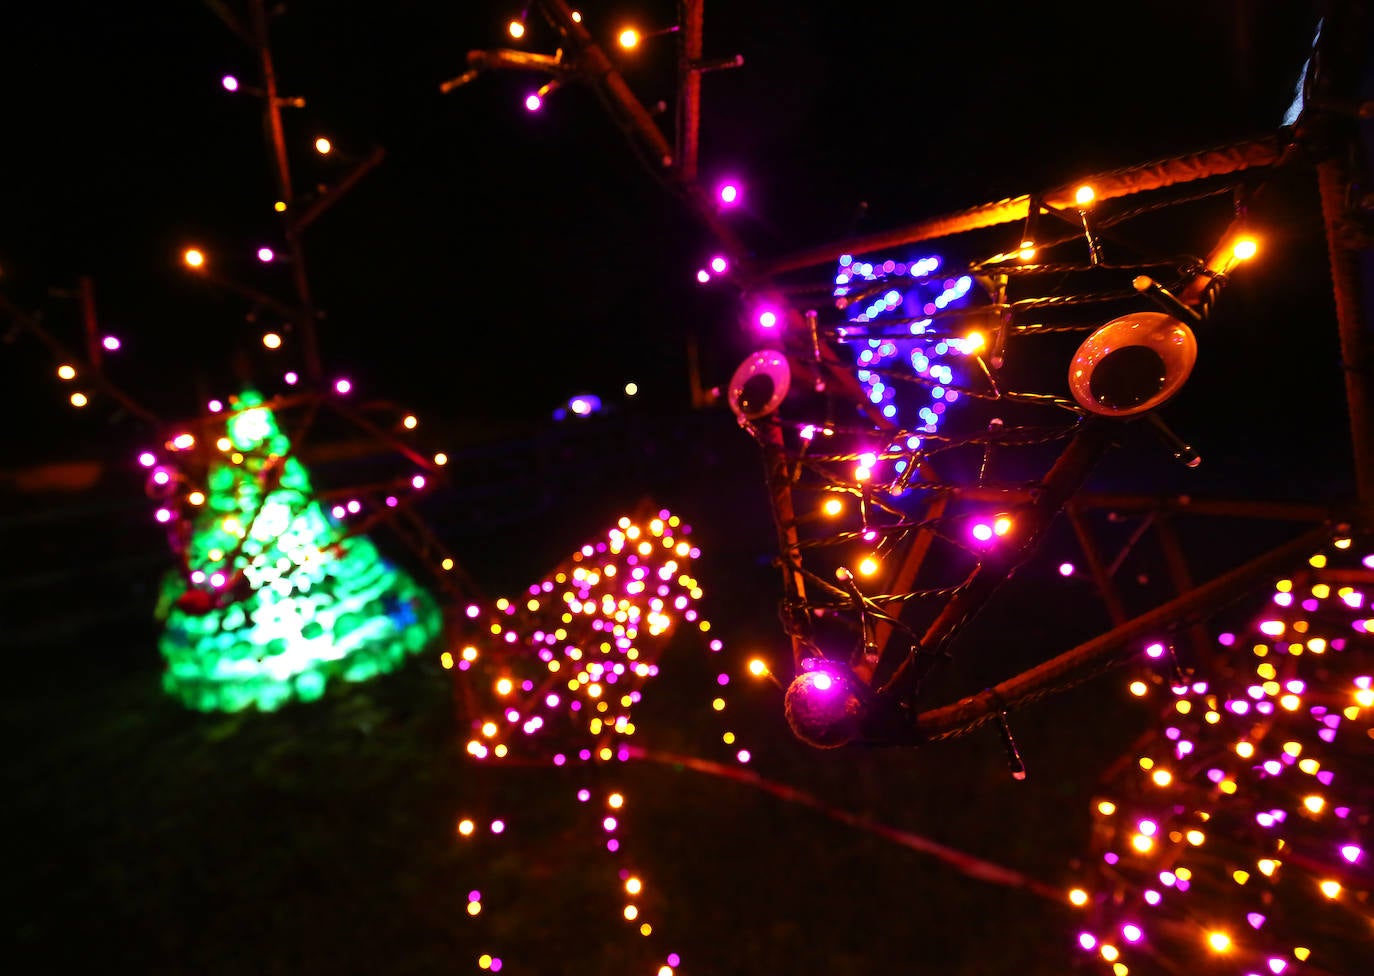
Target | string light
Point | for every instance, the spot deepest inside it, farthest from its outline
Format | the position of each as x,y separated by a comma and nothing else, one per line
1272,762
193,257
560,669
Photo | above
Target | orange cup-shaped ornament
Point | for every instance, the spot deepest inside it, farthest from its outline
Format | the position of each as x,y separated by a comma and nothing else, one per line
1132,364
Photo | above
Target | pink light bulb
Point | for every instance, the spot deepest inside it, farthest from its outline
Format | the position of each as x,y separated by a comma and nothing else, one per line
533,102
265,254
719,265
729,193
230,83
342,386
111,343
146,459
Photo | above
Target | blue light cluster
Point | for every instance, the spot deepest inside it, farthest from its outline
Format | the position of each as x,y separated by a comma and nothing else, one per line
910,305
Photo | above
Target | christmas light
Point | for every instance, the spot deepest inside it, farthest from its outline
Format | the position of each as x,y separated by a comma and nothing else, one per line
1256,798
308,603
558,671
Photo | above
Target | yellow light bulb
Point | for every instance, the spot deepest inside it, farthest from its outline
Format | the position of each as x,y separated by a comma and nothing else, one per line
66,372
628,38
758,668
441,459
279,206
1330,888
271,340
194,257
832,506
1078,897
446,661
78,399
975,341
323,146
196,498
516,29
1106,808
634,886
1084,195
868,566
409,422
1219,941
1244,249
465,827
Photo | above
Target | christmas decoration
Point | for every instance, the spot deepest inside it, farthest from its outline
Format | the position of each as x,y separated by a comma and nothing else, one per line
552,677
277,598
1236,838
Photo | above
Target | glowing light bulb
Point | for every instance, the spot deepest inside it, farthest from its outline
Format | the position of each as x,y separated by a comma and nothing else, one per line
768,318
868,566
1066,569
982,532
78,399
1244,249
441,459
628,38
193,257
323,146
410,421
271,340
111,343
832,506
66,372
1219,941
279,206
719,265
230,83
758,668
728,194
342,386
1084,195
516,29
631,389
266,254
1078,897
533,102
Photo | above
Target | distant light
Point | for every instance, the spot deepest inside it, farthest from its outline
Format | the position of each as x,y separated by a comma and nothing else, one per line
146,459
768,318
441,459
728,193
1066,569
323,146
580,406
66,372
291,378
78,399
982,532
163,515
832,506
342,386
410,421
279,206
532,102
194,257
230,83
265,254
1245,249
577,16
719,265
631,389
516,29
215,406
628,38
417,482
1084,195
271,340
703,276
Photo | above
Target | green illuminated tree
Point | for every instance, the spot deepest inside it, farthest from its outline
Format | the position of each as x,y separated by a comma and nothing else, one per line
277,597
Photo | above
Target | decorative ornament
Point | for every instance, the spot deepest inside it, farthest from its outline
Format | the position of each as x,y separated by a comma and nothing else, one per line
759,385
277,597
1132,364
823,704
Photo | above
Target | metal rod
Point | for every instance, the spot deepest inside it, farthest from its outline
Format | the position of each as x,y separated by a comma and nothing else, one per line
1333,178
1067,475
1106,588
1055,674
689,85
1106,186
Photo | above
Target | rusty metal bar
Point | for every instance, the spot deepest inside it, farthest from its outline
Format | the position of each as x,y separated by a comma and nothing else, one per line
1067,475
1176,564
1106,186
324,201
1058,672
1106,588
1333,179
689,87
784,514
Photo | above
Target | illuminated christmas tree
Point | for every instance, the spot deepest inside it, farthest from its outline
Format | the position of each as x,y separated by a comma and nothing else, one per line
277,598
1237,838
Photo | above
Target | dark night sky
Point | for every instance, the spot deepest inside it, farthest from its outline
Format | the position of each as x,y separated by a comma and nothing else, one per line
498,262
